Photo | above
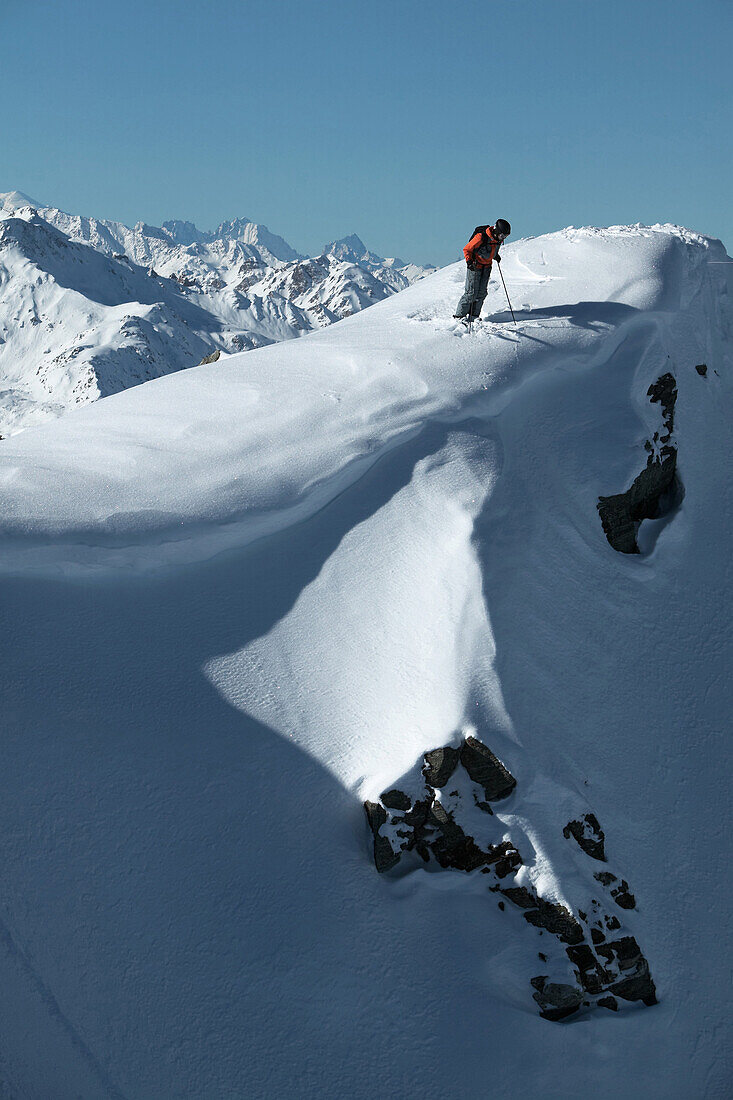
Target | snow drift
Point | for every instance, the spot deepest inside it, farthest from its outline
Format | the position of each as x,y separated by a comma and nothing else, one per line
241,601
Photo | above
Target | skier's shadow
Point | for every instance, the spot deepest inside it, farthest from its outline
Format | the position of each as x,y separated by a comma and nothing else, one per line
588,315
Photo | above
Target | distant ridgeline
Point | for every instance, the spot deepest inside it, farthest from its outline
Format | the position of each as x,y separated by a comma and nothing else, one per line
92,307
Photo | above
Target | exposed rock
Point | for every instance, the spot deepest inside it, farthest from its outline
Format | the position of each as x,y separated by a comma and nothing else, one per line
556,1000
702,369
505,858
622,514
431,826
637,987
210,358
634,982
555,919
439,766
376,816
652,493
485,769
549,915
589,835
395,800
454,848
664,390
522,897
593,977
384,856
623,896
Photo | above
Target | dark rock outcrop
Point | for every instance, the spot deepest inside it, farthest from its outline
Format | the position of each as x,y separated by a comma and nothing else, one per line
431,823
452,847
439,766
592,975
395,800
623,896
620,893
549,915
633,979
486,770
384,856
656,490
556,919
589,835
521,896
427,827
555,999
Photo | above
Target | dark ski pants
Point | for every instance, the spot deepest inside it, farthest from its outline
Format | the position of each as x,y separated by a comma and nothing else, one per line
477,283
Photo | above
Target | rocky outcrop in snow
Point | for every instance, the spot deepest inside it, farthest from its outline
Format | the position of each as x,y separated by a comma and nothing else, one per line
656,490
439,823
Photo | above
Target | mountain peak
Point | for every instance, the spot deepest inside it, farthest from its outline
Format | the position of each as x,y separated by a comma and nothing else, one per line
249,232
184,232
16,200
351,248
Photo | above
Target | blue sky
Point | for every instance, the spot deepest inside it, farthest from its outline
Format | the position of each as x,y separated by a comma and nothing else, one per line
406,122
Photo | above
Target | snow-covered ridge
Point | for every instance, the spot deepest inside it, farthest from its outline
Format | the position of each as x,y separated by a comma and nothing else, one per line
180,294
369,566
350,393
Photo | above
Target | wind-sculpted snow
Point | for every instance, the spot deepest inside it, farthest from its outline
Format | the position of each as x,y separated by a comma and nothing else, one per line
243,600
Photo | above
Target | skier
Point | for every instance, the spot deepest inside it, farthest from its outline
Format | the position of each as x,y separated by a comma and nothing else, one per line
479,252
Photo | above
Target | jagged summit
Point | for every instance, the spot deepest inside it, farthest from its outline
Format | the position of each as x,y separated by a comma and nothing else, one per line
235,229
352,250
351,247
184,233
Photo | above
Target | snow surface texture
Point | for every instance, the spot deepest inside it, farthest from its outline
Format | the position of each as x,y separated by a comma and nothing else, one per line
89,307
241,600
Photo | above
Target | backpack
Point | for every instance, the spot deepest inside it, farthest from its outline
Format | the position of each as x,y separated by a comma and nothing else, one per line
487,242
482,229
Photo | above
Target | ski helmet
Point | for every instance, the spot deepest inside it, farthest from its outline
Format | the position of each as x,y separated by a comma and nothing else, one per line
502,226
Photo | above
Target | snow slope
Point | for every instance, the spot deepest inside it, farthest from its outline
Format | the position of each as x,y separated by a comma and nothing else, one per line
242,599
90,307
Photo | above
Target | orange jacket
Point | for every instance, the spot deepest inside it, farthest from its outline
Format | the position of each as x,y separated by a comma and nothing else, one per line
471,249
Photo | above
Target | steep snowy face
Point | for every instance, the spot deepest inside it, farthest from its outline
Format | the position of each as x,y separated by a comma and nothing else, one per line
387,672
179,293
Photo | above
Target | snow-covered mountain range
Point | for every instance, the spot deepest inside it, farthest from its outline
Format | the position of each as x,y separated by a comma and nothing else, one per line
89,307
366,714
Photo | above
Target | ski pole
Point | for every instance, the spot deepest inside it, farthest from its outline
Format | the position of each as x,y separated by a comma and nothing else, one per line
507,295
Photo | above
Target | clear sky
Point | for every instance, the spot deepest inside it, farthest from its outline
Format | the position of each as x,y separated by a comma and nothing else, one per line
405,121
